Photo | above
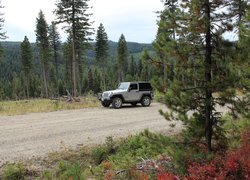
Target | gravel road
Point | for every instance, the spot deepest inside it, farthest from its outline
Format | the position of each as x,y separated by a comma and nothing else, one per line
35,135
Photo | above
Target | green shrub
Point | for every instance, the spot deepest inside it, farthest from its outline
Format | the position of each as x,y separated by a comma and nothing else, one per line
234,128
69,171
14,172
99,154
47,175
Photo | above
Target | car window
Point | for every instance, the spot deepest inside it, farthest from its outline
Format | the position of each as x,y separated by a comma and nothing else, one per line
123,86
133,87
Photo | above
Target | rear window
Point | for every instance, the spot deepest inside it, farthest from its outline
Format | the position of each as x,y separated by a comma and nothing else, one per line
145,87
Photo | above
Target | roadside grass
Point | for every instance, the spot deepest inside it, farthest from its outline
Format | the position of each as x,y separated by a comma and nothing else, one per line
9,108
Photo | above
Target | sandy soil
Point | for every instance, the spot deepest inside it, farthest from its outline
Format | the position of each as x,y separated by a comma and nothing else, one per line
35,135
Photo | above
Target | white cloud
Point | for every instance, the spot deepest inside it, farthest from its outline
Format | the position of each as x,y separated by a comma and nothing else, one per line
20,17
135,18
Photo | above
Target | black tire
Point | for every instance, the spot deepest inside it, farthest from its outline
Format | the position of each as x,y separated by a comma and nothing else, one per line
105,104
117,103
145,101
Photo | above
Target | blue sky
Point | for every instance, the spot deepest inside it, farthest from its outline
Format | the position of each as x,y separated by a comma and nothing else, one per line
136,19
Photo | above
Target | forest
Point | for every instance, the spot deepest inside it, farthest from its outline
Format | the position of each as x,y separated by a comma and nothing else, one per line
11,72
194,66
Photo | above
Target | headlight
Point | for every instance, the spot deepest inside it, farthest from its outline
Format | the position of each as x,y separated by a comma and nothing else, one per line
107,94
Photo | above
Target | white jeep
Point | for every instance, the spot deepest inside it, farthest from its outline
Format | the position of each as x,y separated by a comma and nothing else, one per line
128,92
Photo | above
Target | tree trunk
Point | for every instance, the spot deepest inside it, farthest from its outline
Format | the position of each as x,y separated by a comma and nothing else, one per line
208,79
57,73
74,66
74,52
28,84
44,79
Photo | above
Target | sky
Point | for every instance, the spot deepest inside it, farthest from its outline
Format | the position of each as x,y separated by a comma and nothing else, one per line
136,19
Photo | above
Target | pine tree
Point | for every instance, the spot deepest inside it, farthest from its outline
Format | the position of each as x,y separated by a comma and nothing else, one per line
101,46
241,54
67,58
42,40
27,64
74,13
55,43
192,36
101,51
122,57
165,41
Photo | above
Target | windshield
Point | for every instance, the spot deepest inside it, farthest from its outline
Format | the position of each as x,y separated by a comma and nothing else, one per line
123,86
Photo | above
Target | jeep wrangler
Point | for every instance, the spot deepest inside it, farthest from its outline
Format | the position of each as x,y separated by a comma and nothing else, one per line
129,93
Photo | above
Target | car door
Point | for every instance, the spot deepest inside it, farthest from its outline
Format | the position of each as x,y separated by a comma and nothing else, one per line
133,92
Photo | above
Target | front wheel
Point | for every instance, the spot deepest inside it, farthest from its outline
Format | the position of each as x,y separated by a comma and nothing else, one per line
105,104
146,101
117,103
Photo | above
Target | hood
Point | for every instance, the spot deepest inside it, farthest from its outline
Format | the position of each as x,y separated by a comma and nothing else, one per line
115,91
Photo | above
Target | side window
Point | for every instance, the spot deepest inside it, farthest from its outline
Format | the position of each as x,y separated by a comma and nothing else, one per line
133,87
145,87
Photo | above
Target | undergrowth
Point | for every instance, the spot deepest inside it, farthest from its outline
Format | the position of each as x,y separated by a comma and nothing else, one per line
147,156
44,105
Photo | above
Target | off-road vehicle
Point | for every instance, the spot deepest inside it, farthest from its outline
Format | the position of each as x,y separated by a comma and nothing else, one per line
128,92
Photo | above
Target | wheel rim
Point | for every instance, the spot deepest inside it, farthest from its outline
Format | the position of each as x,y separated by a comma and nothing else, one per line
118,103
146,101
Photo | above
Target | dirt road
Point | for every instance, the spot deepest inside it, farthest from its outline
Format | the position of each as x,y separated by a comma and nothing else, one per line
26,136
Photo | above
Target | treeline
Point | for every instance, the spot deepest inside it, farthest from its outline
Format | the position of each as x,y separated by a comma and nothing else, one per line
12,83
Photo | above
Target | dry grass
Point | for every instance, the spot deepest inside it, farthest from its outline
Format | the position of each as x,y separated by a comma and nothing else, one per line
9,108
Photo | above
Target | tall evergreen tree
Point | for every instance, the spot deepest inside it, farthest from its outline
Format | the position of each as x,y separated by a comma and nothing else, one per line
101,46
101,51
74,13
42,40
67,58
27,64
122,57
55,43
165,40
192,36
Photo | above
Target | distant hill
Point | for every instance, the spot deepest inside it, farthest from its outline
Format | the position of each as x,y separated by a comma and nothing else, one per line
12,48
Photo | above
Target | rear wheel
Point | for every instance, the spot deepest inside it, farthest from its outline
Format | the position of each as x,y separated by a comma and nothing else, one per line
117,103
146,101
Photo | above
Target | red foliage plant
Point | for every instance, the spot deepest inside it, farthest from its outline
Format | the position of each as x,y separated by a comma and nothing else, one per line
233,165
166,176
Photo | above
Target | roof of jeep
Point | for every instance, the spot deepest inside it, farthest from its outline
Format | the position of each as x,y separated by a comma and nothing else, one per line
137,82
